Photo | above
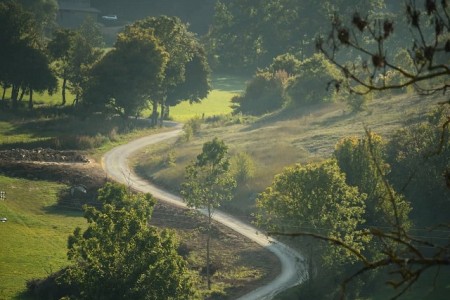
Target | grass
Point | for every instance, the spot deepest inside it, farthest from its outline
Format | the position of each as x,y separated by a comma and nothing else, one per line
34,238
293,135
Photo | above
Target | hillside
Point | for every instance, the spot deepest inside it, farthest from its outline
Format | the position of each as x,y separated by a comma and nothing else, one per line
290,136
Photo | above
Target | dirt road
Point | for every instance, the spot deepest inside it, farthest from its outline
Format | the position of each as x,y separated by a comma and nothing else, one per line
115,163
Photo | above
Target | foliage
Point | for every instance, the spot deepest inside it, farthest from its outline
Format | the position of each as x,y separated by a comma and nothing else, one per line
119,256
207,184
249,34
370,38
286,62
358,158
124,77
264,93
420,157
242,167
186,75
308,85
317,199
192,127
24,66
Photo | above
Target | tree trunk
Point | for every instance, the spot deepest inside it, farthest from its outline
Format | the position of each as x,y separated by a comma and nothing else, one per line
30,101
22,94
155,114
4,92
163,111
63,91
14,95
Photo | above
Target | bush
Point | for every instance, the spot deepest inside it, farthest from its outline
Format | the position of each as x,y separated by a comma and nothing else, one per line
192,127
264,93
242,167
310,84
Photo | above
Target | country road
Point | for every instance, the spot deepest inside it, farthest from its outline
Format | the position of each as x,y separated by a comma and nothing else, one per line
115,163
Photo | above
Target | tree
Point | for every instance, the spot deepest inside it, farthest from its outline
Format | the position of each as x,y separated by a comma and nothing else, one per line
119,256
82,57
208,183
306,87
59,49
369,38
126,75
186,74
315,198
18,36
358,158
44,12
36,73
264,93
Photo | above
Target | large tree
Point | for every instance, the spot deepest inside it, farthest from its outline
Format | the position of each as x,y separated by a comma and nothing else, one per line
208,184
21,59
186,74
126,75
120,256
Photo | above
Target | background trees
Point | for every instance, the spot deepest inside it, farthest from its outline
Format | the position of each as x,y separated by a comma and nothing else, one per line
126,75
24,66
370,39
119,256
208,183
186,75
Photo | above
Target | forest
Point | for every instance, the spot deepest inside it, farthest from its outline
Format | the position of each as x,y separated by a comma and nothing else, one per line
332,137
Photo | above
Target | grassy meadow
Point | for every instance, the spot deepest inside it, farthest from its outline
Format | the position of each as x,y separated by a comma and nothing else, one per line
281,139
34,239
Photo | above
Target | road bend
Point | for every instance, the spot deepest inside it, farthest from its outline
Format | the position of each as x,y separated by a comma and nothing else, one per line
293,266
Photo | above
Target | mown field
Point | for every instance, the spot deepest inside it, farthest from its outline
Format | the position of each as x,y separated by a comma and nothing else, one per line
34,239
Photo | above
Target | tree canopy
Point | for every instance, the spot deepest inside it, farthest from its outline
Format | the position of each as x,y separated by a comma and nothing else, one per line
186,75
126,75
119,256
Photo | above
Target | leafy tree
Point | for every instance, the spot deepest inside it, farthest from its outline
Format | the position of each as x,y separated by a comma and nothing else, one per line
317,199
24,65
126,75
420,156
36,73
248,34
119,256
82,57
264,93
208,183
186,73
91,31
43,11
60,51
286,62
307,87
359,159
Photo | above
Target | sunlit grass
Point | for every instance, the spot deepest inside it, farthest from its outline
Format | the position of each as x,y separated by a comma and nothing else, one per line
217,103
294,135
34,239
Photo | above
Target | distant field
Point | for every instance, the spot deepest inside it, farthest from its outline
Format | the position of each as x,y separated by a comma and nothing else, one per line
34,239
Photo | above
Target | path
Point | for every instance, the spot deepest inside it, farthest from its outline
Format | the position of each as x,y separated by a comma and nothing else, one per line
293,269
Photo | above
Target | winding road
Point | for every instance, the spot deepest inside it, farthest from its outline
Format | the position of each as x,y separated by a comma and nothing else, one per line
293,269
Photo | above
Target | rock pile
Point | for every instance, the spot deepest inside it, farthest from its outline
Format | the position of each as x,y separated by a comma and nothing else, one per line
42,155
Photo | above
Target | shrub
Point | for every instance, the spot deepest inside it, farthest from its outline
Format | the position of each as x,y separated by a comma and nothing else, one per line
264,93
242,167
309,85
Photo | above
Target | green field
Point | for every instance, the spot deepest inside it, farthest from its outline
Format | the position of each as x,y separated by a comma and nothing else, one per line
34,239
